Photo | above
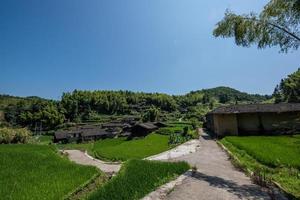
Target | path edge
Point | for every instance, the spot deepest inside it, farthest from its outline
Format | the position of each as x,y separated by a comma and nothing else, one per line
162,191
248,172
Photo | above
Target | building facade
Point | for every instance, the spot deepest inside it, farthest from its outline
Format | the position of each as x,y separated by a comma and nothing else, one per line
254,119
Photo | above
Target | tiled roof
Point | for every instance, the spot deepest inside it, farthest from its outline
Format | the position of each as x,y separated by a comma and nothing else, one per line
257,108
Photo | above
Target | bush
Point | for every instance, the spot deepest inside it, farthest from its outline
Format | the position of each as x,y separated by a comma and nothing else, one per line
185,131
169,130
9,135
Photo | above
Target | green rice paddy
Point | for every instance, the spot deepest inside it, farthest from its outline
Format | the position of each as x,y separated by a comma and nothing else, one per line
37,172
137,178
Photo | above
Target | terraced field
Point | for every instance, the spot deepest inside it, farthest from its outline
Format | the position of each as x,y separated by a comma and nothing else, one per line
37,172
275,157
137,178
123,149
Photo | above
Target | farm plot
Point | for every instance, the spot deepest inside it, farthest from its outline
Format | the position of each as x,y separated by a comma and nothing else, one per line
38,172
137,178
276,157
122,149
272,151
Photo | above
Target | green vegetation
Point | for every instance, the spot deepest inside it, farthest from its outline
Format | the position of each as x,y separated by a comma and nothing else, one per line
122,149
137,178
277,25
151,115
274,157
9,135
101,106
289,89
44,139
35,113
38,172
271,151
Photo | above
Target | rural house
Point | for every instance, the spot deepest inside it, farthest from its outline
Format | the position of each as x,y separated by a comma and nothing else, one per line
83,133
253,119
143,129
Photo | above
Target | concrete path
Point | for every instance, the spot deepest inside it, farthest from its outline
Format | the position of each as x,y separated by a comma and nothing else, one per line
215,177
179,151
82,158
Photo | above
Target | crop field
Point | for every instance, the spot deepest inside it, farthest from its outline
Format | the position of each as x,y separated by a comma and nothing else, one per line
272,151
277,157
38,172
137,178
122,149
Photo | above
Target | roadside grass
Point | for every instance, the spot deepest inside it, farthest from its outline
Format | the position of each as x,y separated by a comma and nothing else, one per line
120,149
38,172
273,157
137,178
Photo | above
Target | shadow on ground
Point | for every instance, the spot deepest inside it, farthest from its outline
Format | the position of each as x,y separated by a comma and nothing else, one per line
241,191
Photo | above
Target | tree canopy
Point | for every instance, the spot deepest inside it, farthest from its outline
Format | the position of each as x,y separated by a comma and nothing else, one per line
277,25
289,89
81,106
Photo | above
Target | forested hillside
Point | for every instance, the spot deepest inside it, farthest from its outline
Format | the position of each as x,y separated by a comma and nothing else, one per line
80,106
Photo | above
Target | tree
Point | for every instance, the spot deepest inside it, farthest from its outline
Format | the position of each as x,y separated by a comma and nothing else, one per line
289,89
277,25
151,115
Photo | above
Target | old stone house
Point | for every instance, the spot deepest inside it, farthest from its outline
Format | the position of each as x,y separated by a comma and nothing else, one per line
254,119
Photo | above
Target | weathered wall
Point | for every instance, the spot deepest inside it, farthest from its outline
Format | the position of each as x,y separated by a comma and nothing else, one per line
277,122
225,124
271,123
248,123
254,123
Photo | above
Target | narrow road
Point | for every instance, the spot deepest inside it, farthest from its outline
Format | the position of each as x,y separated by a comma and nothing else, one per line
82,158
215,178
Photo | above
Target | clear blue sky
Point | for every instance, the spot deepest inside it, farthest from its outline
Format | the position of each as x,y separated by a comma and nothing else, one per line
52,46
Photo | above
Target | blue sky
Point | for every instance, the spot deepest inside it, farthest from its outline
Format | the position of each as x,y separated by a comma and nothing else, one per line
53,46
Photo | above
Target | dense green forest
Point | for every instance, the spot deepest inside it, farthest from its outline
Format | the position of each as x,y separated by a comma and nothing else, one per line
81,106
86,106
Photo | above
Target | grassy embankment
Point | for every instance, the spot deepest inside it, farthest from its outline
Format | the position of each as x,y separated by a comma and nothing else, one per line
275,157
137,178
38,172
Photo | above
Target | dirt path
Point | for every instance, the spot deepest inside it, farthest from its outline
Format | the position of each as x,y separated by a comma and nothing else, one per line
215,178
84,159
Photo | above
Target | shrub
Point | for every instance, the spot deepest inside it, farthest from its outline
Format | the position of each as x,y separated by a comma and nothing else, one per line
9,135
185,131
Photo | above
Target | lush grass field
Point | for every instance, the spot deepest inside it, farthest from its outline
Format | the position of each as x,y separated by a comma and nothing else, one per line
276,157
38,172
137,178
273,151
122,149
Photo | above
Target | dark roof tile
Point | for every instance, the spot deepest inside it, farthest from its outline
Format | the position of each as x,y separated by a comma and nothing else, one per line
257,108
